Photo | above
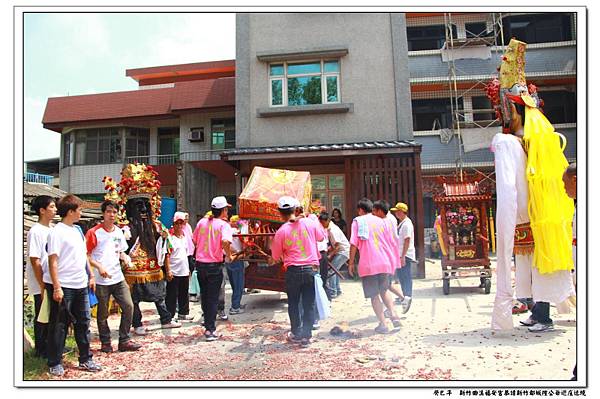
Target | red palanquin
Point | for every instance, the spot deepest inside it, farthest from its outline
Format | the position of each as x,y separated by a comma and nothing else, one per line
265,186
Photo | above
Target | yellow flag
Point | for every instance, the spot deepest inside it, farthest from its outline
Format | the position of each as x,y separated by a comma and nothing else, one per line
550,209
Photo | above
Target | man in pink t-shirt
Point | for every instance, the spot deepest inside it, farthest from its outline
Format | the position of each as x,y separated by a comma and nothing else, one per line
374,239
295,244
212,238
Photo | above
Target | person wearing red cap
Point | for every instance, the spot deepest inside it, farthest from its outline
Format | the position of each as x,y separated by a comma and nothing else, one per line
212,237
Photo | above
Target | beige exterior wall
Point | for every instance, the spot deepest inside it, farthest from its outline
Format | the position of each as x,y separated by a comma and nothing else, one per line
189,121
87,179
366,78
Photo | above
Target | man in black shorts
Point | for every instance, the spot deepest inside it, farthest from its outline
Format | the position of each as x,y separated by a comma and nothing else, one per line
374,239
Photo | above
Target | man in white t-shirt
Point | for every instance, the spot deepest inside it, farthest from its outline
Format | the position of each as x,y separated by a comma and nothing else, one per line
105,247
188,232
67,282
37,263
406,240
323,246
177,268
390,216
235,269
338,253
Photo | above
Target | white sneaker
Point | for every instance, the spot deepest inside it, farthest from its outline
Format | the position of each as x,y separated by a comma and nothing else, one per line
57,370
541,327
171,324
140,331
222,315
406,304
529,322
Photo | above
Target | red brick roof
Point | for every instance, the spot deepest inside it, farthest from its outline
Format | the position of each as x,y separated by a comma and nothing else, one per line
107,106
203,94
61,111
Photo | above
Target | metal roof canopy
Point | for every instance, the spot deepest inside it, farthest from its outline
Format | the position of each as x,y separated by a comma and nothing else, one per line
323,150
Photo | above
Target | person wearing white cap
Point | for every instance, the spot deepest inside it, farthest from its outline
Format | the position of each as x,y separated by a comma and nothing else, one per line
212,237
295,243
188,232
178,275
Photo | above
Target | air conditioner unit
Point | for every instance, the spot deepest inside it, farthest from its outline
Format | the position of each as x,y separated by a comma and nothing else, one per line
196,134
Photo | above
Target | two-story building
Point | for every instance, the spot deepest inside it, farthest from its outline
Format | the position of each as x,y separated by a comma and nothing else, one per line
329,94
181,116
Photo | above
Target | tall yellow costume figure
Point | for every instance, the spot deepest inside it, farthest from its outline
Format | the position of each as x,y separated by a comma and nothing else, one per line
533,213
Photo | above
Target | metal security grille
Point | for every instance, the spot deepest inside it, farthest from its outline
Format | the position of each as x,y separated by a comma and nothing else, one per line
395,178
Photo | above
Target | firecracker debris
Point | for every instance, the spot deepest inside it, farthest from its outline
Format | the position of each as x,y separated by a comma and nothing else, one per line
442,337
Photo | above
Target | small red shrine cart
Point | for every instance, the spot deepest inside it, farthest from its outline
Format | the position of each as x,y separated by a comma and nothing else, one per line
258,205
463,210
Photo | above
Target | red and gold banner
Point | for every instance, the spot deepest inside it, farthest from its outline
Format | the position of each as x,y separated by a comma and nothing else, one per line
264,188
524,243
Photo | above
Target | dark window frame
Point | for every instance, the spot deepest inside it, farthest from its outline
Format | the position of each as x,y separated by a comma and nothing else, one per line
426,111
428,37
560,106
535,27
140,138
226,127
482,103
472,29
68,146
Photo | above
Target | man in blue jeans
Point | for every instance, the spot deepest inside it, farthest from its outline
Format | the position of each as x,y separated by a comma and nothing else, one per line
406,240
67,281
338,253
235,269
295,243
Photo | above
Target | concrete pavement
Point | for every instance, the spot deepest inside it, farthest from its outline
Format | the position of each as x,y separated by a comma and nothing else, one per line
441,338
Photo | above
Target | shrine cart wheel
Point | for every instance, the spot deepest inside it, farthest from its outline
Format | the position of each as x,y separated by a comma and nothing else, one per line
487,286
446,286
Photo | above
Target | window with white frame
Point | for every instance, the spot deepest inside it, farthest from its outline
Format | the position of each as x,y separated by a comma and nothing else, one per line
304,83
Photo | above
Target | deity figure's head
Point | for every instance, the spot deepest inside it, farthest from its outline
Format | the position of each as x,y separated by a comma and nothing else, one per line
139,216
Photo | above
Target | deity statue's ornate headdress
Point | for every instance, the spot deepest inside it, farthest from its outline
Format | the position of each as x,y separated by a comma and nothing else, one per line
137,180
511,86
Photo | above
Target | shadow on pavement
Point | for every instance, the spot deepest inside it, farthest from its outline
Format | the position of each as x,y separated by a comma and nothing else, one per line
455,290
519,336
